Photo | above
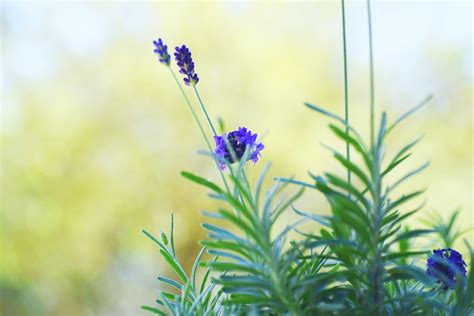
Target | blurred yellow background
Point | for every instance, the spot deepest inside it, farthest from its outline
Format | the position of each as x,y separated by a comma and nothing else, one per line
95,133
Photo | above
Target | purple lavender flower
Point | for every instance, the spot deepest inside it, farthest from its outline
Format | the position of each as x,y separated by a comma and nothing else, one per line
446,265
239,141
186,65
162,51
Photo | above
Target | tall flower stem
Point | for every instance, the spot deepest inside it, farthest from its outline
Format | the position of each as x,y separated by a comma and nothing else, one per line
376,266
204,110
196,119
198,123
346,87
371,61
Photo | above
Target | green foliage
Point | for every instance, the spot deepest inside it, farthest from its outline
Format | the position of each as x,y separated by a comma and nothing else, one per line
366,226
260,273
446,230
189,296
361,262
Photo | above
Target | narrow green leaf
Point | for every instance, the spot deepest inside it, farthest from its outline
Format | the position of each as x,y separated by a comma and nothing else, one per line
404,254
341,203
393,165
325,112
358,145
226,255
175,266
206,276
389,234
236,267
258,187
409,175
172,235
242,249
411,234
277,212
240,208
340,183
195,266
354,168
185,296
288,229
241,224
409,113
243,190
165,298
452,220
170,282
244,299
348,245
221,233
408,214
153,310
244,281
201,181
390,217
297,182
382,130
406,148
400,272
323,220
404,198
212,215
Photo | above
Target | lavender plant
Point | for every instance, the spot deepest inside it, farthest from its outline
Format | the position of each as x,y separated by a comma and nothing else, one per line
361,262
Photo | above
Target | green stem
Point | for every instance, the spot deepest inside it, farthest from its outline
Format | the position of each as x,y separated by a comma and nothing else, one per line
246,181
371,61
196,119
204,110
376,265
198,122
346,87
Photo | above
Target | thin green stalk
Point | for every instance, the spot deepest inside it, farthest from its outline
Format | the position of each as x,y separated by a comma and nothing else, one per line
204,110
346,87
246,180
372,89
196,119
376,265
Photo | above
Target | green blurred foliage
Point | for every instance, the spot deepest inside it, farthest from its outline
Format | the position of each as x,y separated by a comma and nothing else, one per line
91,152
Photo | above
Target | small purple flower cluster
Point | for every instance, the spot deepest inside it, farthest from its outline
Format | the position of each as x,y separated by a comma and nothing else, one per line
162,51
446,265
186,65
183,59
239,141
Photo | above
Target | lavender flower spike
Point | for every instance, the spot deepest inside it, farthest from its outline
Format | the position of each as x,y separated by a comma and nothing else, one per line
186,65
447,266
239,140
162,51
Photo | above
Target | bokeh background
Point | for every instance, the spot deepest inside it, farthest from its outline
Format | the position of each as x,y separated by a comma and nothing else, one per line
94,132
